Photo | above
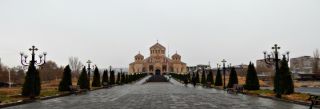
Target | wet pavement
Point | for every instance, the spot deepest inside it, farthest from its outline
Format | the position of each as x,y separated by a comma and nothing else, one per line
170,95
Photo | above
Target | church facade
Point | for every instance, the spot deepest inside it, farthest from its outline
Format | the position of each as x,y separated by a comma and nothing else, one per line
157,63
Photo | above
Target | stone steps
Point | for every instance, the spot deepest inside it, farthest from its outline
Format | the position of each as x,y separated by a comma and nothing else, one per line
157,78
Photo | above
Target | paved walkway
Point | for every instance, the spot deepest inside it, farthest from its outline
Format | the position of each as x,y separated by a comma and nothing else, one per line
159,96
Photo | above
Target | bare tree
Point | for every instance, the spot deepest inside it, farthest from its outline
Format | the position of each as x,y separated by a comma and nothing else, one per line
17,75
316,61
75,66
50,71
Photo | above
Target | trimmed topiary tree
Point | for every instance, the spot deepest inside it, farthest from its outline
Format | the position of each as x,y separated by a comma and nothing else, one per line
233,78
252,81
118,78
288,86
112,78
218,78
66,81
32,85
96,78
197,77
83,80
123,79
203,78
210,77
105,78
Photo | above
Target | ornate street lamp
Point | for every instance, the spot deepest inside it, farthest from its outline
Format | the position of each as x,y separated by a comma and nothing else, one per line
89,68
33,62
110,68
218,66
273,59
229,67
224,73
242,71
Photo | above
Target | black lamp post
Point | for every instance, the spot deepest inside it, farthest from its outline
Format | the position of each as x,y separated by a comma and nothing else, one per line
89,68
242,71
218,68
224,73
229,67
273,59
33,62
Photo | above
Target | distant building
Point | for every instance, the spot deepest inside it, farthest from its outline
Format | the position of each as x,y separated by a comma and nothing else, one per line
302,68
198,67
241,69
157,63
302,65
264,69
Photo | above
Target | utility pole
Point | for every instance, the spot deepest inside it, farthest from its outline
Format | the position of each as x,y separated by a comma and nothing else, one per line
9,77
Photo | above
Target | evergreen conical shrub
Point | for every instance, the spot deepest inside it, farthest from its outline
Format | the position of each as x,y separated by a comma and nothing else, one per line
233,78
105,78
203,78
83,80
252,81
288,86
123,79
197,77
32,84
66,81
218,78
112,78
210,77
96,78
118,78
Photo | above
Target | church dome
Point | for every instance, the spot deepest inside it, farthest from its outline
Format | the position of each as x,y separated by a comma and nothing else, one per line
139,56
176,56
157,46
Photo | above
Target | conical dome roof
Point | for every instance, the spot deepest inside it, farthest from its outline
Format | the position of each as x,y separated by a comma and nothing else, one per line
176,55
157,46
139,55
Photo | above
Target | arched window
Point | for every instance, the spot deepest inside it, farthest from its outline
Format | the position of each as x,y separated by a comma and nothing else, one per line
151,68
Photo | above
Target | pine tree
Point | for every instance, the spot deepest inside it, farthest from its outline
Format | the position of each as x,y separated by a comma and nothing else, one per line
189,76
218,78
37,83
233,78
123,79
83,80
288,86
96,78
197,77
66,81
32,84
105,78
210,77
252,81
112,78
203,78
118,78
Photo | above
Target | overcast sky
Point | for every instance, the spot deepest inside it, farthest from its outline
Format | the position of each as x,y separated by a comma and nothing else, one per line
111,32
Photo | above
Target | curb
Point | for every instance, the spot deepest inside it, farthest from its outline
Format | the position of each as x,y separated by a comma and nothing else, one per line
27,101
267,97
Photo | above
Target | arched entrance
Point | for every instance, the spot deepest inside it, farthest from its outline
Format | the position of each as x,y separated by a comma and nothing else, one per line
158,72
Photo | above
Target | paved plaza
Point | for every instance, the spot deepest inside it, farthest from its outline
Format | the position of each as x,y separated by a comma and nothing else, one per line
169,95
